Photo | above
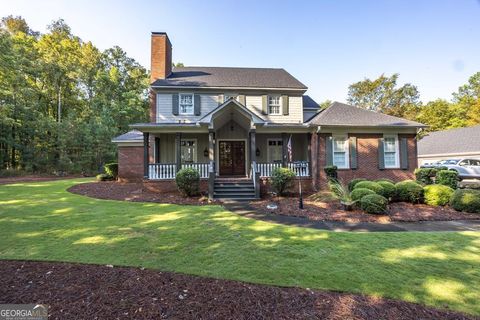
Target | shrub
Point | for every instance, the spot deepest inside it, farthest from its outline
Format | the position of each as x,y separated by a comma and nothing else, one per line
188,181
282,180
340,192
447,178
111,169
374,204
409,191
437,194
385,179
353,182
103,177
359,193
375,187
388,189
425,175
466,200
331,172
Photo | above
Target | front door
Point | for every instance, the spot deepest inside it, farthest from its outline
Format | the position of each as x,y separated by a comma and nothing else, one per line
231,158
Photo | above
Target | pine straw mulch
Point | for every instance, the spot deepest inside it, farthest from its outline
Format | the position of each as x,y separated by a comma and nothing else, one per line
331,210
76,291
132,191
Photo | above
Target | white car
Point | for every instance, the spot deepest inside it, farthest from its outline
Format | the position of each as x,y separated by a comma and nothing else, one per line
466,168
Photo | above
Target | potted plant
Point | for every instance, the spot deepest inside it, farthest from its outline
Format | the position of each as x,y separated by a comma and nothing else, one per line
342,193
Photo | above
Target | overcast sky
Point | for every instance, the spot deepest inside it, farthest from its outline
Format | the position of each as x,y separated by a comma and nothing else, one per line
327,45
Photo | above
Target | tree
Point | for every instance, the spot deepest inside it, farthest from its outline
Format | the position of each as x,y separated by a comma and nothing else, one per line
178,65
383,95
440,115
468,100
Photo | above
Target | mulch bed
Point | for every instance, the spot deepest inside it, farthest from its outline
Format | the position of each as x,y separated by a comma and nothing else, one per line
133,192
332,211
35,178
76,291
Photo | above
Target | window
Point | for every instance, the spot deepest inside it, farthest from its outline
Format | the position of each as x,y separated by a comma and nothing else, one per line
391,154
188,151
186,104
475,162
274,152
273,104
340,152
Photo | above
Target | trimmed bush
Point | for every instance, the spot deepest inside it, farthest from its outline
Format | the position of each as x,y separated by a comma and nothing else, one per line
425,175
282,180
385,179
103,177
447,178
437,194
331,171
111,169
353,182
467,200
375,187
374,204
359,193
388,189
409,191
188,181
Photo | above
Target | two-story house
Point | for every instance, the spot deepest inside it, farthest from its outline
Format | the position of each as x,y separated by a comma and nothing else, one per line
241,123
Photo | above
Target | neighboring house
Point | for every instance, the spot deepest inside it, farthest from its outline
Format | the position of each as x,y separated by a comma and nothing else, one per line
449,144
244,122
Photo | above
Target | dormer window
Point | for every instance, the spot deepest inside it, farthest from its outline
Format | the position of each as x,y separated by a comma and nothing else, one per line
274,105
186,104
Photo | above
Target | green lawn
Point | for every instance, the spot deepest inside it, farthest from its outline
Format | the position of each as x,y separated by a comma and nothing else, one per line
42,221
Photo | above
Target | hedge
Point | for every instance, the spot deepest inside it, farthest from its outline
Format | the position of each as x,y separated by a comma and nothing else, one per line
374,204
437,194
447,178
466,200
353,182
425,175
388,189
282,180
188,181
111,169
359,193
377,188
409,191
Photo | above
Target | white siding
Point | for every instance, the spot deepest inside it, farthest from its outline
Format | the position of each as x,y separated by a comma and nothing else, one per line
295,112
164,108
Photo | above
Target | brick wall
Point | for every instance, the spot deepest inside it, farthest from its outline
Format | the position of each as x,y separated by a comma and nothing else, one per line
307,186
130,164
161,56
367,160
153,105
170,186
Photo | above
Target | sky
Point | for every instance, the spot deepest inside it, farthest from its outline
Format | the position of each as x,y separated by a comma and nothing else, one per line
327,45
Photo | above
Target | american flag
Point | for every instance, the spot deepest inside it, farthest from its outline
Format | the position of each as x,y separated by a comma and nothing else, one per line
289,149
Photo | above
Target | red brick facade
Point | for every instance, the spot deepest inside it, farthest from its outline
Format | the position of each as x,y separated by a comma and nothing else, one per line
307,186
170,186
130,163
367,160
161,56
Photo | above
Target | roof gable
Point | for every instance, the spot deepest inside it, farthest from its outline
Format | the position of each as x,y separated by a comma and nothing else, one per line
229,77
239,107
340,114
460,140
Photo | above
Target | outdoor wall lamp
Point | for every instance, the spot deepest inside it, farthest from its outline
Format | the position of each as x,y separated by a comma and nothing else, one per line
205,152
257,152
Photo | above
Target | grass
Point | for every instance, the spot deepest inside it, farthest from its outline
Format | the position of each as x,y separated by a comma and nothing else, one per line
42,221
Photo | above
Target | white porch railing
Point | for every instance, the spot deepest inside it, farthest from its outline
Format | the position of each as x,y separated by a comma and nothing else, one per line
266,169
161,171
202,168
301,168
164,171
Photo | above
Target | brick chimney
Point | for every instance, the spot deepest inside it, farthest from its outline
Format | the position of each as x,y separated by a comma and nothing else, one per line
161,56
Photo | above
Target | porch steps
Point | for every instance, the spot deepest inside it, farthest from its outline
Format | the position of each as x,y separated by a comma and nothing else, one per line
241,189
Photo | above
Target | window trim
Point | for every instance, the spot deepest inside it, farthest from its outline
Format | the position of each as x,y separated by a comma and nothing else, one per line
195,153
397,151
269,157
279,104
347,150
180,107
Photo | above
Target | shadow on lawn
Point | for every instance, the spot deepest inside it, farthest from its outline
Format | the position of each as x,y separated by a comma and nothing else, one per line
440,269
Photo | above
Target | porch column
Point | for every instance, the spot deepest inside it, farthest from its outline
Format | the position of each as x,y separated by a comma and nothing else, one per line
284,149
309,152
211,166
253,146
146,155
178,139
211,145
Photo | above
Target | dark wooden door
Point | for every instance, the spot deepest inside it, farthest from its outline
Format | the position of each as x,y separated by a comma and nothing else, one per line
232,158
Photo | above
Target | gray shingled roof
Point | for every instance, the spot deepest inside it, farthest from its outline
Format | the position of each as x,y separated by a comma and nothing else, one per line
230,77
340,114
309,103
133,135
461,140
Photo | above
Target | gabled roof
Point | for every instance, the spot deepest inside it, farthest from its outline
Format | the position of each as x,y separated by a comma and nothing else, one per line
340,114
208,117
227,77
309,103
453,141
130,136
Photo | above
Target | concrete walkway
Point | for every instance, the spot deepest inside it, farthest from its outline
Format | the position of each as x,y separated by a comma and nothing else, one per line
244,209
